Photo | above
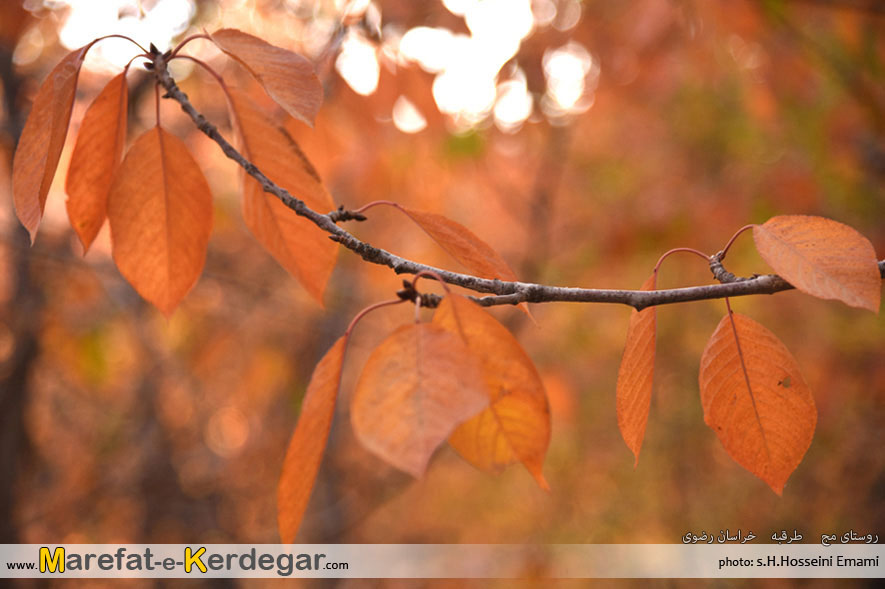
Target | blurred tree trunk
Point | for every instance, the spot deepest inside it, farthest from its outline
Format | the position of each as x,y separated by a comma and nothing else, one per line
22,311
21,314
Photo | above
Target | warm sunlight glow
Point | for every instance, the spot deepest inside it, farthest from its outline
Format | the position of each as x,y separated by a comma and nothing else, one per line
544,12
572,75
407,117
429,47
88,19
358,64
227,432
458,7
29,47
514,104
467,66
568,14
468,94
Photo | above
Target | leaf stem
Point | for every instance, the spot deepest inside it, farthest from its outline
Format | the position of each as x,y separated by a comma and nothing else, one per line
721,254
145,51
368,310
204,65
375,203
690,250
187,40
433,275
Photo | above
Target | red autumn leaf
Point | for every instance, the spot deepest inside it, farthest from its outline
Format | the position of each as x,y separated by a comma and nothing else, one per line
296,243
636,374
463,245
822,257
286,76
96,156
515,427
42,139
302,462
160,211
417,386
755,399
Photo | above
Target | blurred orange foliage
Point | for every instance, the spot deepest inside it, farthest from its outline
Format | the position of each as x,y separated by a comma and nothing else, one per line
694,118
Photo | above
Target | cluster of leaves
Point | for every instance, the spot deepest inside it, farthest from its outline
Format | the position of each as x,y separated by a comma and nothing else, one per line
156,199
464,378
425,379
752,392
460,378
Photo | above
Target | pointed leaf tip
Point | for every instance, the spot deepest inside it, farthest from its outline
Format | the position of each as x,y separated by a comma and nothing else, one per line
822,257
286,76
305,452
97,154
42,139
515,427
636,375
755,399
463,245
297,244
417,386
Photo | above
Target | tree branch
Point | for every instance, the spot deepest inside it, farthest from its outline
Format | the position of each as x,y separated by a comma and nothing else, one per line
502,293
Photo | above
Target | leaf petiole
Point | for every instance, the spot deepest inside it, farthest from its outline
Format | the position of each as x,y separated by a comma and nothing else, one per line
187,40
368,310
117,36
724,251
433,275
690,250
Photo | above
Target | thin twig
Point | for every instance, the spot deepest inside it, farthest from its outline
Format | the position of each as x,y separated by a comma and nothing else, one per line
502,293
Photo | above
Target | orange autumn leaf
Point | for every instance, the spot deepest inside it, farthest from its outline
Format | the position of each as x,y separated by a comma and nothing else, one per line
468,249
305,452
42,140
417,386
822,257
516,424
755,399
286,76
463,245
636,374
96,156
160,211
296,243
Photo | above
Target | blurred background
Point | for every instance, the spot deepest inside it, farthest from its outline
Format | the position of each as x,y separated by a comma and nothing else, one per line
580,139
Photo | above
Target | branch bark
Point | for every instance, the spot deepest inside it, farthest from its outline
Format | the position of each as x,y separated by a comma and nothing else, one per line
499,292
